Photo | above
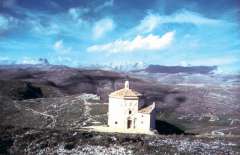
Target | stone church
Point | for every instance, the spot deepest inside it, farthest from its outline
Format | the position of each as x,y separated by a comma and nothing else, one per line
127,111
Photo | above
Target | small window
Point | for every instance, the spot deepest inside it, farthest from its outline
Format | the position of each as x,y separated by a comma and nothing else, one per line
130,112
115,122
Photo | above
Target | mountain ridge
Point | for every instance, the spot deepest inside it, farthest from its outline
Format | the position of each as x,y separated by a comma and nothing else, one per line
178,69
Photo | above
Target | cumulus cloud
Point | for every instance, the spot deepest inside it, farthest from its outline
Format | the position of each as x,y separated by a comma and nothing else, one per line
139,43
102,27
60,48
152,21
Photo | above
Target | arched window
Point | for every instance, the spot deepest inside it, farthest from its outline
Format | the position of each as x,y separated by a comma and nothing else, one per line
115,122
130,112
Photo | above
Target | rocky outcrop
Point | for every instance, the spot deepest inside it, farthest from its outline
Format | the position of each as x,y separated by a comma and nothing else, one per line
49,141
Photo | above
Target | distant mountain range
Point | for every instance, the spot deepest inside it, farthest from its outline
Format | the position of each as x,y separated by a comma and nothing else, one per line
122,67
178,69
26,61
134,67
141,67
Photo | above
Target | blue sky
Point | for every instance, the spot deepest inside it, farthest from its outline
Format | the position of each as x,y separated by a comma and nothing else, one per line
85,32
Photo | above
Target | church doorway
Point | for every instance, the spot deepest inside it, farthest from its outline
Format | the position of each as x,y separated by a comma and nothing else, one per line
129,124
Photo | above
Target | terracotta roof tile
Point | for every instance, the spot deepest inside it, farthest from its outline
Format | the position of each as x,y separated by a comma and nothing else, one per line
148,109
125,92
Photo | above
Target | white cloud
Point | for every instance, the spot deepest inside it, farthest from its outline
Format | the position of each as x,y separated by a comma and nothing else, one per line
148,24
41,23
76,13
139,43
38,27
60,48
102,27
69,24
190,17
4,23
152,21
7,22
6,60
105,5
28,60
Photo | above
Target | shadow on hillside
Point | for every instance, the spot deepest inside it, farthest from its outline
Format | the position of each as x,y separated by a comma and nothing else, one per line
165,128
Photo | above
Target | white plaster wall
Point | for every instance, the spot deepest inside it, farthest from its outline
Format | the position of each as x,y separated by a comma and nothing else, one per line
132,105
143,121
115,112
118,111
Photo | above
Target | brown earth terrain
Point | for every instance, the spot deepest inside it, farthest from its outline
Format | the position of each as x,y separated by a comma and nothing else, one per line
51,101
